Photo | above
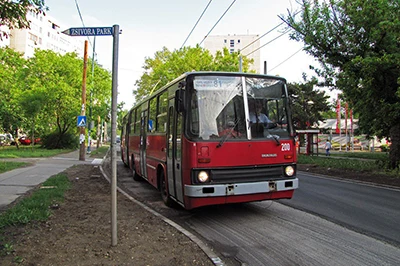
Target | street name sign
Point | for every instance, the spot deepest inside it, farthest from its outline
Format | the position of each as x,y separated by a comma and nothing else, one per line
95,31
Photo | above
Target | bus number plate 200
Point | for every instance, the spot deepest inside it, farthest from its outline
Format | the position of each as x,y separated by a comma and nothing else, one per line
285,147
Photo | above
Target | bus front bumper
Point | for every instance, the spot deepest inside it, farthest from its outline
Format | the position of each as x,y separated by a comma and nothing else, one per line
217,190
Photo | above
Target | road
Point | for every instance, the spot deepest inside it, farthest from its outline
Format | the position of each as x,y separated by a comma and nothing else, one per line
371,210
271,233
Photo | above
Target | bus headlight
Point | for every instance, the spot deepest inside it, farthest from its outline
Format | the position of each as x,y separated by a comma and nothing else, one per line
289,170
203,176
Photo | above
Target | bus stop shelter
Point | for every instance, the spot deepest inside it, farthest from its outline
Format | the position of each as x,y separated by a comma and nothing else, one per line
307,141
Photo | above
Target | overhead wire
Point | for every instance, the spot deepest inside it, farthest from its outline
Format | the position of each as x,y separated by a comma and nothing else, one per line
285,59
217,22
268,42
196,23
262,36
83,23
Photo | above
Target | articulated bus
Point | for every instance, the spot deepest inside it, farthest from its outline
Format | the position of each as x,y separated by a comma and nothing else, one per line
196,140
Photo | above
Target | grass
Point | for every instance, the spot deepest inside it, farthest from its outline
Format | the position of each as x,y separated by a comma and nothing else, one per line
354,164
8,166
28,152
37,206
357,161
100,152
361,155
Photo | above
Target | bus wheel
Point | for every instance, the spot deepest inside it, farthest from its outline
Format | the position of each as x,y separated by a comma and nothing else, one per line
136,177
164,191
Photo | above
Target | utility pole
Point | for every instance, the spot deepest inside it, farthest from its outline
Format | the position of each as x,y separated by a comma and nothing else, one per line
90,121
83,129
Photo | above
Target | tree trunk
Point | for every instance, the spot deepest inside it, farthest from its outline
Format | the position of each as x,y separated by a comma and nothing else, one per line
394,153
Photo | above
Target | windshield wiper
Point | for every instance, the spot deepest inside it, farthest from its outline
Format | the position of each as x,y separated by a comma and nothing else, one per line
227,135
275,138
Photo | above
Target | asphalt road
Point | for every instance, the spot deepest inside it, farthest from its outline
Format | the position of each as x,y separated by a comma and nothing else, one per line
271,233
371,210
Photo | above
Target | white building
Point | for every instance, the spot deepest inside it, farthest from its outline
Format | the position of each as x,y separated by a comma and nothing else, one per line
247,45
3,40
45,34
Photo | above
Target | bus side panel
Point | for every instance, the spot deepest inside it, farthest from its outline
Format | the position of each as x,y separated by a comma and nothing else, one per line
156,154
189,160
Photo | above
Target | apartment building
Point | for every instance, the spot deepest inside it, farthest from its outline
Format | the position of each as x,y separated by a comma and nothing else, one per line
248,45
45,33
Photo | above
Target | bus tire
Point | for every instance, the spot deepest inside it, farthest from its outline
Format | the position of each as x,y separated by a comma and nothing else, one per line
136,177
164,191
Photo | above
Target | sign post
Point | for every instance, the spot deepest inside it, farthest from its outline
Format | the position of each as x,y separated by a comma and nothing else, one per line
106,31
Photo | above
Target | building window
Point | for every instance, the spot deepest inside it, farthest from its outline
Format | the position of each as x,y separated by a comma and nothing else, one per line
232,42
238,41
225,41
231,50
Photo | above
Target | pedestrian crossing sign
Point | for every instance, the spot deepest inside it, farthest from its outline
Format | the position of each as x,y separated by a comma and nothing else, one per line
82,121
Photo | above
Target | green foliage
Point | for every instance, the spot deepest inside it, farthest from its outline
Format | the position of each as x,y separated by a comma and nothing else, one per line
356,43
13,13
44,93
57,140
28,152
166,66
11,69
307,104
37,206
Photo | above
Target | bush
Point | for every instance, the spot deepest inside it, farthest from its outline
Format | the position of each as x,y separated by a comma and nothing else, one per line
385,148
56,140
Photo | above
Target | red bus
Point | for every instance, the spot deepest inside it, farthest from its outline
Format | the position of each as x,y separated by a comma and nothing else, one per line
198,141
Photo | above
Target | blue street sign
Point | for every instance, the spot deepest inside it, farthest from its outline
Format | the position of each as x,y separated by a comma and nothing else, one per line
81,121
96,31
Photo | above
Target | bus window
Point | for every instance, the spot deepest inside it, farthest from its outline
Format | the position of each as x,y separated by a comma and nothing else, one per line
162,113
137,120
152,115
132,122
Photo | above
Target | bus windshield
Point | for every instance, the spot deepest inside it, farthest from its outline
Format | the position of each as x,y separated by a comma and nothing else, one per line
237,107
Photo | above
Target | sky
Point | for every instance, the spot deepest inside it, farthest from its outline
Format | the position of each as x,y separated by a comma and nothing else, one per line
148,26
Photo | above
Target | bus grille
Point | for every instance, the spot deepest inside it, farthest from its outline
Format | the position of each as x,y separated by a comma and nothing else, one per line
220,176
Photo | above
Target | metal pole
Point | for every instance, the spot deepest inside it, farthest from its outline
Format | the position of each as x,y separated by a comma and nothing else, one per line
113,137
83,129
265,67
240,63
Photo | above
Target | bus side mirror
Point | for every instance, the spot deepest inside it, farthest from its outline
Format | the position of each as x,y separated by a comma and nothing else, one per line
180,100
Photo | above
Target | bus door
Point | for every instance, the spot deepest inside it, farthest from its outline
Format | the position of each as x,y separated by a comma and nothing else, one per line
143,144
174,158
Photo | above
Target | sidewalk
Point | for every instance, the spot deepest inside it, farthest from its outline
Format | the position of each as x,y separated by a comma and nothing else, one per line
17,182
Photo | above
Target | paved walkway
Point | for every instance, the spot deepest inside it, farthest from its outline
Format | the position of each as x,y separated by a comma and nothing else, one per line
17,182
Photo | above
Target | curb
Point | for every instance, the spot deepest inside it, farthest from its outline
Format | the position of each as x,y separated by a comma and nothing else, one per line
211,255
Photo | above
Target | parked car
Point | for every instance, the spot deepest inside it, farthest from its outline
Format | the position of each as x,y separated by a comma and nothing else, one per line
6,139
27,141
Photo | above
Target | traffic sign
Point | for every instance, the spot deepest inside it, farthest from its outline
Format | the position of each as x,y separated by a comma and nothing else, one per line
82,121
94,31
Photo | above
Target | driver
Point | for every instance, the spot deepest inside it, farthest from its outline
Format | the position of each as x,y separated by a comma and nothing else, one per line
255,114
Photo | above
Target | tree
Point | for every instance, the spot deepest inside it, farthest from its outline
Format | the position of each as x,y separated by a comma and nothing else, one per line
166,66
59,77
11,68
307,104
13,13
356,42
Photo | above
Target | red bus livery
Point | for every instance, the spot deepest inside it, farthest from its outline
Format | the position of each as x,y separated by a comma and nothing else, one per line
210,138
